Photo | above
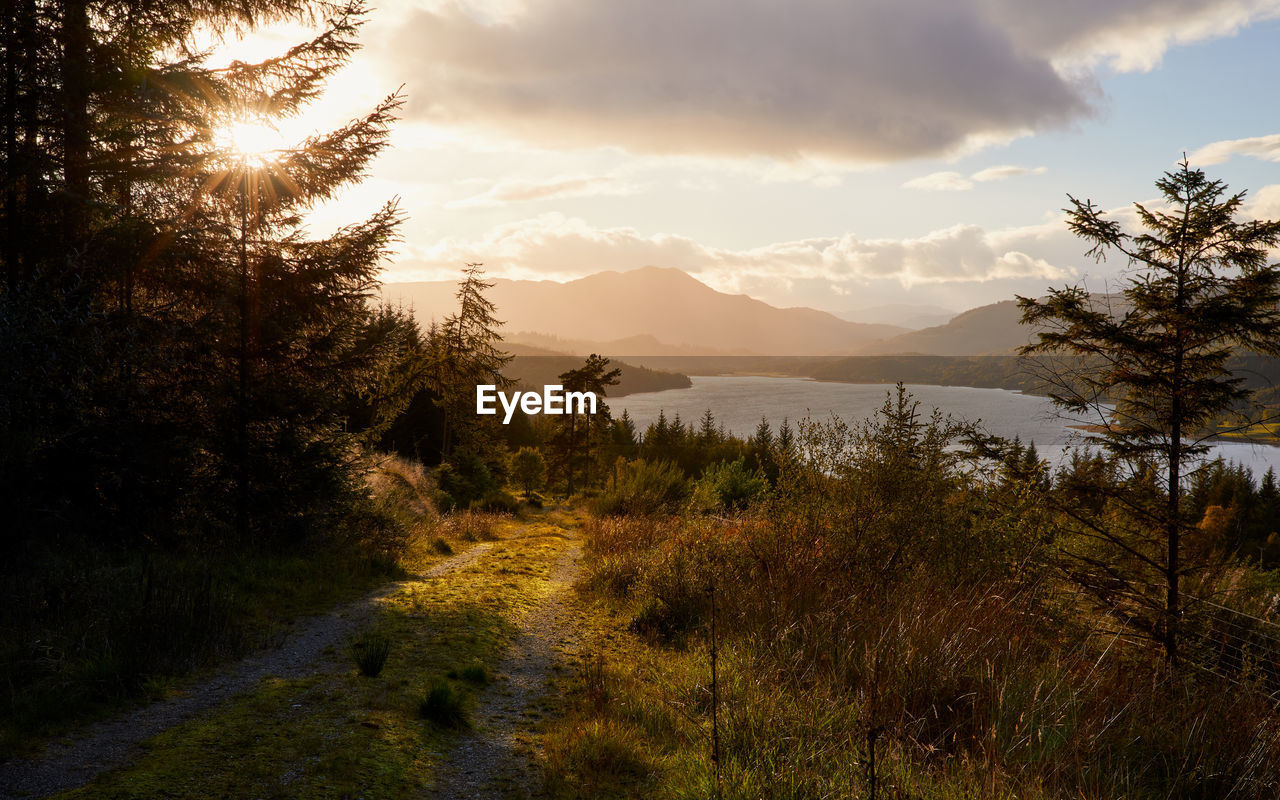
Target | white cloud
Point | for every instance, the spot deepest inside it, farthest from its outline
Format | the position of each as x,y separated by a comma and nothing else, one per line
1124,35
554,245
849,80
1005,171
955,182
940,182
1266,148
1264,203
508,192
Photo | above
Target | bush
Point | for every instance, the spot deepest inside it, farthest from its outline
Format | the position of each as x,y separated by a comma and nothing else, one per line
466,479
728,486
471,526
644,487
528,469
443,706
370,651
497,503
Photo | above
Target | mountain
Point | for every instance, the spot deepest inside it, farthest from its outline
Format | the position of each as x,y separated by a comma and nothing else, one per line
902,314
643,346
666,304
986,330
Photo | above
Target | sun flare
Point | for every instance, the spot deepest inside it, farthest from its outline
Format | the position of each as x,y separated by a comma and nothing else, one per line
254,143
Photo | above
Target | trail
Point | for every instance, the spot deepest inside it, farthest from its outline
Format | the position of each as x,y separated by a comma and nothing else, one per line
490,762
115,742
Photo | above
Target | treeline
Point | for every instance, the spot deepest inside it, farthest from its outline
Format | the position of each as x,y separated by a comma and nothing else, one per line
535,371
196,393
179,355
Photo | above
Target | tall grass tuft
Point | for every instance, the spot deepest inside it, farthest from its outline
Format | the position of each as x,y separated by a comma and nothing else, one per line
443,706
370,651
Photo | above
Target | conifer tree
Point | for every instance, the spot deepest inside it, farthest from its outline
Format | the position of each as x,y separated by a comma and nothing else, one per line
200,336
576,439
1153,370
466,352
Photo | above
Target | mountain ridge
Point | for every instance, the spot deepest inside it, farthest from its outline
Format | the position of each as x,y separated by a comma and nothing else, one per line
665,303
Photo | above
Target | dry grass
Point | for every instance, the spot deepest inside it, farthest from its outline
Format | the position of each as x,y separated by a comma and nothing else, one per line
993,687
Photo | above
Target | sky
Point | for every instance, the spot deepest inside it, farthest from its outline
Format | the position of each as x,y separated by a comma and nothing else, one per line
839,154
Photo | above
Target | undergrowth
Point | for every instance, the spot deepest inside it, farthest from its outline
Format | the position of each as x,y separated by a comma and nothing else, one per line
86,629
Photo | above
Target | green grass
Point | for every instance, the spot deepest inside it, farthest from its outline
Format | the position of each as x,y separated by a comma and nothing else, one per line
370,651
443,706
338,734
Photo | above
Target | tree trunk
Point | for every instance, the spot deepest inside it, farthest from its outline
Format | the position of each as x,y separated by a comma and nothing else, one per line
1174,531
75,122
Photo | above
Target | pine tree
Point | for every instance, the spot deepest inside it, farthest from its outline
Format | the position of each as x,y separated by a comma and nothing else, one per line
466,352
201,338
575,440
1153,371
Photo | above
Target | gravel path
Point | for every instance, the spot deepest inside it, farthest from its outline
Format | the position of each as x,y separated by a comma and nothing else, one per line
489,762
106,745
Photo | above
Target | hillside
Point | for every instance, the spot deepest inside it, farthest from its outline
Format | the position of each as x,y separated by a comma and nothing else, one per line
666,304
986,330
535,367
906,315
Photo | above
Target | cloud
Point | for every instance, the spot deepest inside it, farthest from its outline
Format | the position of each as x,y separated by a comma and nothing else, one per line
940,182
849,80
1266,148
1006,171
520,191
1264,203
955,182
553,245
1124,35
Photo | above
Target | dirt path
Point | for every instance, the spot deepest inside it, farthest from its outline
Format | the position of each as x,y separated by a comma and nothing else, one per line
106,745
490,762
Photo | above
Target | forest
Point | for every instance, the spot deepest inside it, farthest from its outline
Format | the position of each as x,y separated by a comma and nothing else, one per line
210,430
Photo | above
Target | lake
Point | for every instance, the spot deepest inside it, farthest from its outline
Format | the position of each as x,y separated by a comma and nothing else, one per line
740,402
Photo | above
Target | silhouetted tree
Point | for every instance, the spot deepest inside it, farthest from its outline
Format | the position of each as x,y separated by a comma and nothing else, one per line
1153,370
575,440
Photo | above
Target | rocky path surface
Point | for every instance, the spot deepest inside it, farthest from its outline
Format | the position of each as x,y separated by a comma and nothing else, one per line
490,761
113,743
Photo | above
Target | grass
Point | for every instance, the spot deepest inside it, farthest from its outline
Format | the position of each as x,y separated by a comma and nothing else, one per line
337,734
88,631
443,706
979,691
370,651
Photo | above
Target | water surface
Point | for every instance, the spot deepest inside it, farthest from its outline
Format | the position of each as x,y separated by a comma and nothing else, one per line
740,402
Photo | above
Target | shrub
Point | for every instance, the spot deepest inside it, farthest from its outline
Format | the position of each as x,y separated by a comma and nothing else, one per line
528,469
466,479
497,503
443,706
644,487
471,526
370,651
728,486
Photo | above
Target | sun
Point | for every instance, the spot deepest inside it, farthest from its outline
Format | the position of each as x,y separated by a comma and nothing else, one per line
254,143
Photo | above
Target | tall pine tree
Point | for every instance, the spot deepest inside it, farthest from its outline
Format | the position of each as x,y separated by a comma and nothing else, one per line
1153,370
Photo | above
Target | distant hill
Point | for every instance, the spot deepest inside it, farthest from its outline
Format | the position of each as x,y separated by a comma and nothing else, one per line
666,304
534,367
986,330
904,315
640,346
